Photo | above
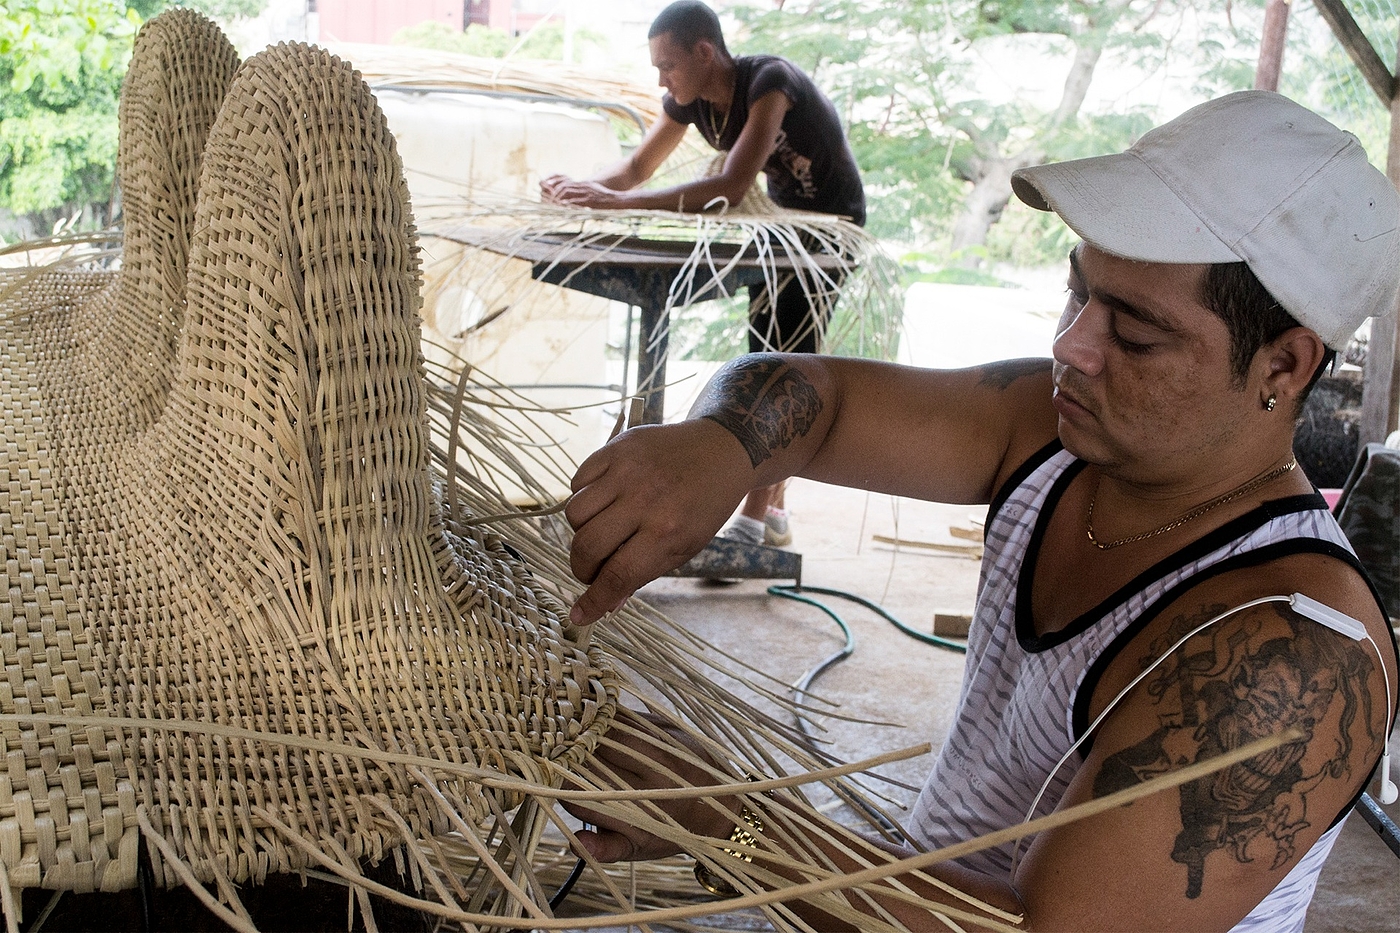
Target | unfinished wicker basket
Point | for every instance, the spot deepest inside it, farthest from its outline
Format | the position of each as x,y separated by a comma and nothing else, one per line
232,601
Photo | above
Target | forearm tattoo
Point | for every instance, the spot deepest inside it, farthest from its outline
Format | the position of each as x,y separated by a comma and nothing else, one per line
1000,375
1231,687
765,403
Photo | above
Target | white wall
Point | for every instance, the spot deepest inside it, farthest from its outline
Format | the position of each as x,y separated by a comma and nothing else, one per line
953,326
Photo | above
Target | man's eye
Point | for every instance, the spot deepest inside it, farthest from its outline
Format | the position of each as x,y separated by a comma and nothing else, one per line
1128,346
1079,298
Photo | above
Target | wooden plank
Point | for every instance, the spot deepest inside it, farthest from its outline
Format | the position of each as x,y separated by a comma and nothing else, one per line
1380,386
973,551
948,624
1358,47
565,250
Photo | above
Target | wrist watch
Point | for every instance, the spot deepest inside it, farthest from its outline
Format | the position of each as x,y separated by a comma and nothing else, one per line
744,838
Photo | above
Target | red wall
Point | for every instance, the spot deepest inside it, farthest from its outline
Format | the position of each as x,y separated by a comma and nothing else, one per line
378,20
493,13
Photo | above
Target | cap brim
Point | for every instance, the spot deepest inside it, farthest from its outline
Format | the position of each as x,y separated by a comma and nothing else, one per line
1116,203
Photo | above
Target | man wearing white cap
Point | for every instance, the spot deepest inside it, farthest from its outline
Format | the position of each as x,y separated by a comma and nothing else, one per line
1148,528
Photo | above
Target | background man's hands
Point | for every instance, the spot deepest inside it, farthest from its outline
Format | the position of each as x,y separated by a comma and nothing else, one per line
561,189
646,503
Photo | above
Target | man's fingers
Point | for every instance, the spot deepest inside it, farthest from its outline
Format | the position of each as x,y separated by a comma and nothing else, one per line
589,496
641,559
596,541
608,846
615,571
608,591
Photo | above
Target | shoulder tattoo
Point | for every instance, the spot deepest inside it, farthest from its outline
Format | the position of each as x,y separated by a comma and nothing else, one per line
1231,686
1000,375
765,403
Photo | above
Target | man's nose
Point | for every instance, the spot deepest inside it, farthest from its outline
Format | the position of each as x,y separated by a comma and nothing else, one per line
1079,344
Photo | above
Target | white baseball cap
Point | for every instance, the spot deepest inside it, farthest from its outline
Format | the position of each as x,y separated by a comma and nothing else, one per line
1250,177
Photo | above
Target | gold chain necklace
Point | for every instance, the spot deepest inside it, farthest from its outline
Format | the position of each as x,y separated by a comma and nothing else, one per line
1195,513
724,124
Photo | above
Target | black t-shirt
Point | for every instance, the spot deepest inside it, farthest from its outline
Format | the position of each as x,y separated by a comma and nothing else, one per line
811,168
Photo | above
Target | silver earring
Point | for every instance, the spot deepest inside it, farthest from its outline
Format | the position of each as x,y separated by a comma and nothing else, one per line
1269,405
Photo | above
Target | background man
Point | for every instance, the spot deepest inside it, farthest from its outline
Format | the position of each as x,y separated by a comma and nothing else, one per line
1141,485
767,116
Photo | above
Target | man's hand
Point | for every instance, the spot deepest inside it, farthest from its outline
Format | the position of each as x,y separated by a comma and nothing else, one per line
561,189
639,752
646,503
549,185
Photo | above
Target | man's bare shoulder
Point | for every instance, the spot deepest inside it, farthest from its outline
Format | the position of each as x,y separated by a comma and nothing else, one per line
1003,374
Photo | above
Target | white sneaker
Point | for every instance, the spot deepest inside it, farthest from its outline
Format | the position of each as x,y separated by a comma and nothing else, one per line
776,530
745,530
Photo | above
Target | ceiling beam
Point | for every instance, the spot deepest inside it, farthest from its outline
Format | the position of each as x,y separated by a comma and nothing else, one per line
1380,395
1375,71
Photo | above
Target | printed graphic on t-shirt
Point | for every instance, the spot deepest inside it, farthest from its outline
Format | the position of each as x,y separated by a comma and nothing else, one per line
797,164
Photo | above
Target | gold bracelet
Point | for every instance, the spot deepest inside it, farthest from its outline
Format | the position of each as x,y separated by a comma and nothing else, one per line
743,837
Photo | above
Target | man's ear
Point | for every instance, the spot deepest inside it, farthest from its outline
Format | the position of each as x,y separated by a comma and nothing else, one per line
704,51
1287,364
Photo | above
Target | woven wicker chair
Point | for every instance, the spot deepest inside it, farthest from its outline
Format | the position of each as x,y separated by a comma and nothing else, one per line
232,599
254,619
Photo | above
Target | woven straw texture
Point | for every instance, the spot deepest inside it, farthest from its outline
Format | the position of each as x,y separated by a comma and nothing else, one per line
218,523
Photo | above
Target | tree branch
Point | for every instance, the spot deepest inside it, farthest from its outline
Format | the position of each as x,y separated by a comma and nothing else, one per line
1081,75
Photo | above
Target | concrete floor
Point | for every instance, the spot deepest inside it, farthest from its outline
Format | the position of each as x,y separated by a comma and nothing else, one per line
892,678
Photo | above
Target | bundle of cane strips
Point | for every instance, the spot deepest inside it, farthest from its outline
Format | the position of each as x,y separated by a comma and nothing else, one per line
844,273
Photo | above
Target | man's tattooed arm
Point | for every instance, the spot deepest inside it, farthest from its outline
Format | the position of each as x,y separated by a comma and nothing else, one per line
1231,686
764,402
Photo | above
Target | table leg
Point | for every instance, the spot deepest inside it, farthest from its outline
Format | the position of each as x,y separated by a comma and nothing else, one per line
652,344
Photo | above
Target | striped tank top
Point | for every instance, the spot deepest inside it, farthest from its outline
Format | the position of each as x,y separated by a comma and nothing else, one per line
1025,698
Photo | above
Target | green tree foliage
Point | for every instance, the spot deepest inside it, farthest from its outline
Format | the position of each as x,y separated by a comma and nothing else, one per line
221,11
936,150
61,68
61,65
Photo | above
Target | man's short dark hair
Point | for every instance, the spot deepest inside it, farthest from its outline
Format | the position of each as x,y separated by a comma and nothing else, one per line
687,22
1252,316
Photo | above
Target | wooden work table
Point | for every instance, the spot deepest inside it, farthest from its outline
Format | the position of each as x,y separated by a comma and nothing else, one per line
654,275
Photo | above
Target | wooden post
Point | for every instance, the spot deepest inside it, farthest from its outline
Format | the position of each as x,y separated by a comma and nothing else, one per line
1270,65
1380,389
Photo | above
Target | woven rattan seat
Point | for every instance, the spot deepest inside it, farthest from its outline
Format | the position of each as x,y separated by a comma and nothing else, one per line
230,587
